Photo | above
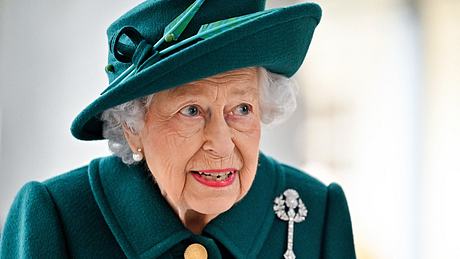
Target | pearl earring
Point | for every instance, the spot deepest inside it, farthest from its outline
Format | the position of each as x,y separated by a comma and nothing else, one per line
138,156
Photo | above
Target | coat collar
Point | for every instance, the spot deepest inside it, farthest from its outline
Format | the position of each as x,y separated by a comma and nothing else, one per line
145,226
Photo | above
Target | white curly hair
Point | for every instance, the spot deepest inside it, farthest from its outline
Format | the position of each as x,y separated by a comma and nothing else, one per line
277,102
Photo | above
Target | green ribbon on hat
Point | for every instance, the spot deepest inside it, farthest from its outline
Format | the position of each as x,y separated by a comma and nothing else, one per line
171,33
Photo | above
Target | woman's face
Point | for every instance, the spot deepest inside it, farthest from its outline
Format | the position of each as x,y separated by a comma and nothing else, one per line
201,141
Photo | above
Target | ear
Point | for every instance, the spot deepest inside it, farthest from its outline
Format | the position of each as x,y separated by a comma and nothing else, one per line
134,139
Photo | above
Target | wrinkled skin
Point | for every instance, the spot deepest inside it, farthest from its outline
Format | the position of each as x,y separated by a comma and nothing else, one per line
213,123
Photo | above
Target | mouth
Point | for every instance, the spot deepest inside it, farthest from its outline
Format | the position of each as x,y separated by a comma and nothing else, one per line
216,178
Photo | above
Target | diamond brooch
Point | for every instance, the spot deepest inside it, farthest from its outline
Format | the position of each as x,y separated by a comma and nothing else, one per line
289,207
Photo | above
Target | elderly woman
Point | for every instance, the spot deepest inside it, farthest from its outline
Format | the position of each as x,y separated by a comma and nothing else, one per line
190,85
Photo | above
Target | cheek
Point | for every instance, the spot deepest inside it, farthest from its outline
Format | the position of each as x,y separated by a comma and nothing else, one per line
186,127
246,135
173,135
168,149
247,143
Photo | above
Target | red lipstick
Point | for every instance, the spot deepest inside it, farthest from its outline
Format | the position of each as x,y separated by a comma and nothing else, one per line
216,177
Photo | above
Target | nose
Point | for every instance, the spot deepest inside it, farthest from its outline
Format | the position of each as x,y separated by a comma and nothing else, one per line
218,137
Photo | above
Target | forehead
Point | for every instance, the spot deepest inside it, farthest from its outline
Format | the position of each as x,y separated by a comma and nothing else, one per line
237,82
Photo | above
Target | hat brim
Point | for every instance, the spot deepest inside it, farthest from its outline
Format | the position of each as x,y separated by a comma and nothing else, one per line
277,40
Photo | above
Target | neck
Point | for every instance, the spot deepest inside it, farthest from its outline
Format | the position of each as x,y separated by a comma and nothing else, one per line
192,220
195,221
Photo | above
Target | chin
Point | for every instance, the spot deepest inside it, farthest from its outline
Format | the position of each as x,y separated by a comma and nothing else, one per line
213,206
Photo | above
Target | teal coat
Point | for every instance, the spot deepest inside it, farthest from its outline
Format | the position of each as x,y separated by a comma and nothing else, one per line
110,210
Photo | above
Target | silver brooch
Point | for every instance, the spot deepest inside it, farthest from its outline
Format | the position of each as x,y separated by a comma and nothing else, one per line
289,207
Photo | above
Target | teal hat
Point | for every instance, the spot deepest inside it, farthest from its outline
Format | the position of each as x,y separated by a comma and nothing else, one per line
161,44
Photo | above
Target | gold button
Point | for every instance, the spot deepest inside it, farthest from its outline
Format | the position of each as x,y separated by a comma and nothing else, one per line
195,251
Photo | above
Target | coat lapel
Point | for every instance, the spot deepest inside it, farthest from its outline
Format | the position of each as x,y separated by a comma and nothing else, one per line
140,219
145,226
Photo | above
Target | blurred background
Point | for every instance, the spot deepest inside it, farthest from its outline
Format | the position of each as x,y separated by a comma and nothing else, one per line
379,102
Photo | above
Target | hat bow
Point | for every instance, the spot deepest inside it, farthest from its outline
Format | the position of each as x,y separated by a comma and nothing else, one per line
136,52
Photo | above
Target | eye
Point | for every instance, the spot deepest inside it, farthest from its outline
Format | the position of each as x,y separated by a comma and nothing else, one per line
242,109
190,111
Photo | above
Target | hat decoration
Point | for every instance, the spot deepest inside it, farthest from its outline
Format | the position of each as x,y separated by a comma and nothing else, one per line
145,54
